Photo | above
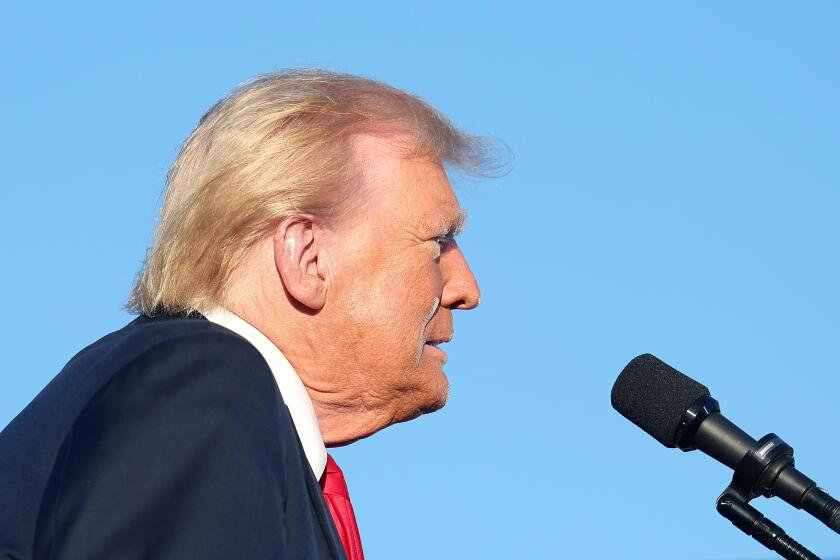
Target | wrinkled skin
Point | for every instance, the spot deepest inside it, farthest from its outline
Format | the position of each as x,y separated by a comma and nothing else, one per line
354,303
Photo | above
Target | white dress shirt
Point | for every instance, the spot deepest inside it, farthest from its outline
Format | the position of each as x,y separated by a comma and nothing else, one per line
291,387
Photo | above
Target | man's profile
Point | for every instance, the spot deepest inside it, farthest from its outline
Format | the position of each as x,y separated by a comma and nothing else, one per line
300,283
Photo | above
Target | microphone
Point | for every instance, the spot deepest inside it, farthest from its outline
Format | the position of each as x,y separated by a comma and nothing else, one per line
678,411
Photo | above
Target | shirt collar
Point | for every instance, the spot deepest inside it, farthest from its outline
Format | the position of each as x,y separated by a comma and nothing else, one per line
291,387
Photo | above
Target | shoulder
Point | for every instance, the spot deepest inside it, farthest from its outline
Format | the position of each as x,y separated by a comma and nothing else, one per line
197,394
151,363
151,405
197,399
167,346
169,358
192,417
145,333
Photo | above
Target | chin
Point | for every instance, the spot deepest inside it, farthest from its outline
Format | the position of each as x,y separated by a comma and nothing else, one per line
433,407
429,398
437,396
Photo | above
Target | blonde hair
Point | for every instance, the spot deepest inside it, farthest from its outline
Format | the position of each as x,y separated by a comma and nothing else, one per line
274,147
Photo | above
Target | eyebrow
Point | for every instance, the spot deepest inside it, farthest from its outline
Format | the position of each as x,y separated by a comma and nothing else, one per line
453,223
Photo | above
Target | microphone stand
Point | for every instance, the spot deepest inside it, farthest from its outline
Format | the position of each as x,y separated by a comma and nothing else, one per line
764,462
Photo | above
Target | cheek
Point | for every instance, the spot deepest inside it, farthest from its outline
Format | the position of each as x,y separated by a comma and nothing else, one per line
377,307
420,293
405,289
392,311
389,306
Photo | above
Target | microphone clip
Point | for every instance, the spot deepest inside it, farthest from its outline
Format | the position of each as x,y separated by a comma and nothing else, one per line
758,470
755,476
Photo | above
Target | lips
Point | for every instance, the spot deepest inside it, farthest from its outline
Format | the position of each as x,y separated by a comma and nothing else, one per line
436,341
432,346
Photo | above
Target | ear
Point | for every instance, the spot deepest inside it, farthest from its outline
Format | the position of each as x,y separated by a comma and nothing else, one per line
297,257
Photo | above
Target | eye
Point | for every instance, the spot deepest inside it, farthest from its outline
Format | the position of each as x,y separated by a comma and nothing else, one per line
445,241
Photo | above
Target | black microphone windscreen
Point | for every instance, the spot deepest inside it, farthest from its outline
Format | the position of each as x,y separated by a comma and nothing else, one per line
655,396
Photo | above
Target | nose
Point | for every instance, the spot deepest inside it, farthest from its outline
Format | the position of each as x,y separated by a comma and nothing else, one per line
460,289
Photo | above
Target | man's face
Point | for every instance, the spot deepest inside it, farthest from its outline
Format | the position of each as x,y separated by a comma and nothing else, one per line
397,276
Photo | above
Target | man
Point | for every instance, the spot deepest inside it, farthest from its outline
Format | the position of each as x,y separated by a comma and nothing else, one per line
302,277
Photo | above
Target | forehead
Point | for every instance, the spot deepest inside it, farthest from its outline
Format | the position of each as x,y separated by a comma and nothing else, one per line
413,190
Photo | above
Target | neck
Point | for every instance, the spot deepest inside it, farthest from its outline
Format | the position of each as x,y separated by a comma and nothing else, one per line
345,420
343,417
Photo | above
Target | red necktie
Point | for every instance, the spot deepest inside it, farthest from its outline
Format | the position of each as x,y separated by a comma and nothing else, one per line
338,501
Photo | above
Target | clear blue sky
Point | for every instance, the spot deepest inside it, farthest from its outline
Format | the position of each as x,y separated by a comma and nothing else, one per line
675,191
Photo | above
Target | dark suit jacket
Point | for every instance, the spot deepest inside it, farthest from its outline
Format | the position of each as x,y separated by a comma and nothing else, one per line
167,439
